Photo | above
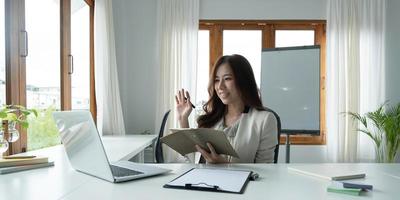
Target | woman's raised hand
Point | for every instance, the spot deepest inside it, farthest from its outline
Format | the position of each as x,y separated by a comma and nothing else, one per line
183,107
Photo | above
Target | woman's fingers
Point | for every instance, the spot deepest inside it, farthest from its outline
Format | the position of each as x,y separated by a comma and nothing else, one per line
211,157
180,96
183,96
187,97
176,99
203,152
212,150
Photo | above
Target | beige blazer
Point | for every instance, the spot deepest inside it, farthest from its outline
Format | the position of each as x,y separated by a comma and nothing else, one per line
253,136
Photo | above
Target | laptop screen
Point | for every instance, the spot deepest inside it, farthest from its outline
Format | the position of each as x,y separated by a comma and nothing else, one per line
82,143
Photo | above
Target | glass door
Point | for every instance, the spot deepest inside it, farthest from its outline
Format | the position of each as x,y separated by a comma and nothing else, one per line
80,55
43,82
42,22
2,56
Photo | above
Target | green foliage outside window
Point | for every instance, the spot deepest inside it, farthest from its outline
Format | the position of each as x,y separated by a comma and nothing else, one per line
42,131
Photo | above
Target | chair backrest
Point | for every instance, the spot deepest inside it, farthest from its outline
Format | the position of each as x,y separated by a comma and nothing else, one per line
278,120
158,149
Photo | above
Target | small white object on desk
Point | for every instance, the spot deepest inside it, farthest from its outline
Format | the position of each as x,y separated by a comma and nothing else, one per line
328,172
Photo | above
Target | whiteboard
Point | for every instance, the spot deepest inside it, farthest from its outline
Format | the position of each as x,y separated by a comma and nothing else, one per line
290,86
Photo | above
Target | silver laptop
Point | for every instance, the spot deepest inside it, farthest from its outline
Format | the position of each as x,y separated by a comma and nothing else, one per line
86,152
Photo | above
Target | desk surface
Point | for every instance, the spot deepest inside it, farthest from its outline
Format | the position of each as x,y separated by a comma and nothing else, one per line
275,182
127,146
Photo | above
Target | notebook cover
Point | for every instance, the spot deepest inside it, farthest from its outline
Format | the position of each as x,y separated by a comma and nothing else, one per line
184,140
24,161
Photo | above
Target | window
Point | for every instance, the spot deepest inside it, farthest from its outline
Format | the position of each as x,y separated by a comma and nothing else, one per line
248,37
2,57
43,54
202,67
43,80
248,46
42,38
80,52
288,38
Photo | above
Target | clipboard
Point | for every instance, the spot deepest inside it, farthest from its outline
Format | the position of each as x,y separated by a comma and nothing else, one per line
212,179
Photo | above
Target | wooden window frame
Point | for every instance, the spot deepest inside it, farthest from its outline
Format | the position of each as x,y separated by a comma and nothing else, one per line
93,103
65,19
268,28
16,64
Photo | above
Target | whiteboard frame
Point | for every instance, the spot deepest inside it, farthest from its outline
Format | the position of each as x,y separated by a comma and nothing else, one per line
302,131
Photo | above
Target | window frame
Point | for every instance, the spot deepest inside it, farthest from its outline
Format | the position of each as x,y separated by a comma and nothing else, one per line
268,28
16,64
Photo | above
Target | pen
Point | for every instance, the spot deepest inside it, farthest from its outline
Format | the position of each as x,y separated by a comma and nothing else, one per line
190,103
18,157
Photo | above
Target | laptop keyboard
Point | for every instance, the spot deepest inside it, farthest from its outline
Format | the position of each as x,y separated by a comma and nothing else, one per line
121,172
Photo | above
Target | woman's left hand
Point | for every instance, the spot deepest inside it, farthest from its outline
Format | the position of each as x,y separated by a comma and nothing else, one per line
212,156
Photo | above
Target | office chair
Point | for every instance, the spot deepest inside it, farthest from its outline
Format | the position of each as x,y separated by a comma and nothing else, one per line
278,120
158,149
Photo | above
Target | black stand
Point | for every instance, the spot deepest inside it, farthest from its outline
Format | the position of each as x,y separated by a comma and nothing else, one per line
287,148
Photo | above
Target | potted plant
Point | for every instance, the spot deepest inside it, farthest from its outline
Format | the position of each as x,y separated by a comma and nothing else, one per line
383,127
10,117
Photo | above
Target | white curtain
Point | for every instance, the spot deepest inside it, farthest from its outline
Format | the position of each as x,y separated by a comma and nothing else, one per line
178,25
355,74
109,110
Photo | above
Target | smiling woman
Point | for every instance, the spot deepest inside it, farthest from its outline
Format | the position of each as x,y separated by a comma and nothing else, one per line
234,107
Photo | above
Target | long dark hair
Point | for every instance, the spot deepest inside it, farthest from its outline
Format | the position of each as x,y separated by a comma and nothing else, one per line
244,82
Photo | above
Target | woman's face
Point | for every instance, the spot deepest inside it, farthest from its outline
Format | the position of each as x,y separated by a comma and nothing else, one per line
224,85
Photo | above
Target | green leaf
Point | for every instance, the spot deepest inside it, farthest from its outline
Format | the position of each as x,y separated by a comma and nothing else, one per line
24,124
25,112
35,112
11,117
3,115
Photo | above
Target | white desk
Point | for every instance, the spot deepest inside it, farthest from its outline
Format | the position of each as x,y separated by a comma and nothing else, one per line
127,146
276,182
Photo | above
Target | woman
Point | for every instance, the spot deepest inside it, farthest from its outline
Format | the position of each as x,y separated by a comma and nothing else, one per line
236,108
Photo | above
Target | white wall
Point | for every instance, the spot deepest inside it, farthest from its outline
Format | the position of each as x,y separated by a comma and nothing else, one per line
262,9
135,32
